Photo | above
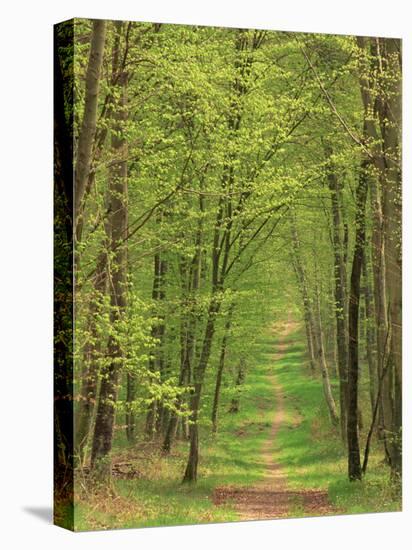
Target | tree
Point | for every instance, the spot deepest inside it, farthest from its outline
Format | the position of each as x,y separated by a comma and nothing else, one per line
116,272
88,126
354,466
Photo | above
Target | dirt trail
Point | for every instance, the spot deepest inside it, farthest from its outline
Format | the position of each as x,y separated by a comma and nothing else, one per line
270,498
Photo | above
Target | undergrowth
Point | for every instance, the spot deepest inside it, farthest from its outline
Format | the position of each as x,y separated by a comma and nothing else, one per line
307,446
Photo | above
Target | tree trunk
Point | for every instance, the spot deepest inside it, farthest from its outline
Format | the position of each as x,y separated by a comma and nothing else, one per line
156,363
327,390
221,366
130,416
309,341
240,378
190,283
88,126
370,334
340,295
386,144
379,294
392,210
354,466
303,286
316,322
191,468
90,376
117,273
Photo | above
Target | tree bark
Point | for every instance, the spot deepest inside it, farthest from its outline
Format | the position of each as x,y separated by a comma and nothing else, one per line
339,294
320,349
117,279
379,294
354,466
88,126
191,468
392,210
190,284
156,363
385,139
240,378
307,306
313,319
220,369
90,375
370,333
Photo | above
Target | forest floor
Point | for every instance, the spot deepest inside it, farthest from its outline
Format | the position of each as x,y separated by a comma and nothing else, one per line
271,498
277,457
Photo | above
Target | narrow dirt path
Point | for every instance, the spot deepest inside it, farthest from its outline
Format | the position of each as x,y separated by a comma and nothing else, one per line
270,498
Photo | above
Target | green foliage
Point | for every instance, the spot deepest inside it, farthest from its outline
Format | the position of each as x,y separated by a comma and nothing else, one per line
228,141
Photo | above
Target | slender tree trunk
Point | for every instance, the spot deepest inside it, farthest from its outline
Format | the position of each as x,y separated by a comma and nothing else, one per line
379,294
161,336
314,320
307,306
190,474
240,378
221,366
117,270
327,390
156,363
370,333
130,416
190,283
88,126
191,468
86,142
354,466
340,295
309,341
90,376
187,340
187,343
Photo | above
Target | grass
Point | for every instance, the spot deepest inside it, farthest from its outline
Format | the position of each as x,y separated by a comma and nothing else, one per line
307,446
311,451
231,457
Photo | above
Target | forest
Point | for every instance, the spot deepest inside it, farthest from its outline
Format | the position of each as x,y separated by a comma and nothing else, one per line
228,274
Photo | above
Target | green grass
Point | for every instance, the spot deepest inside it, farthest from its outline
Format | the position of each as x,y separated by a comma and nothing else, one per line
231,457
307,446
311,451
